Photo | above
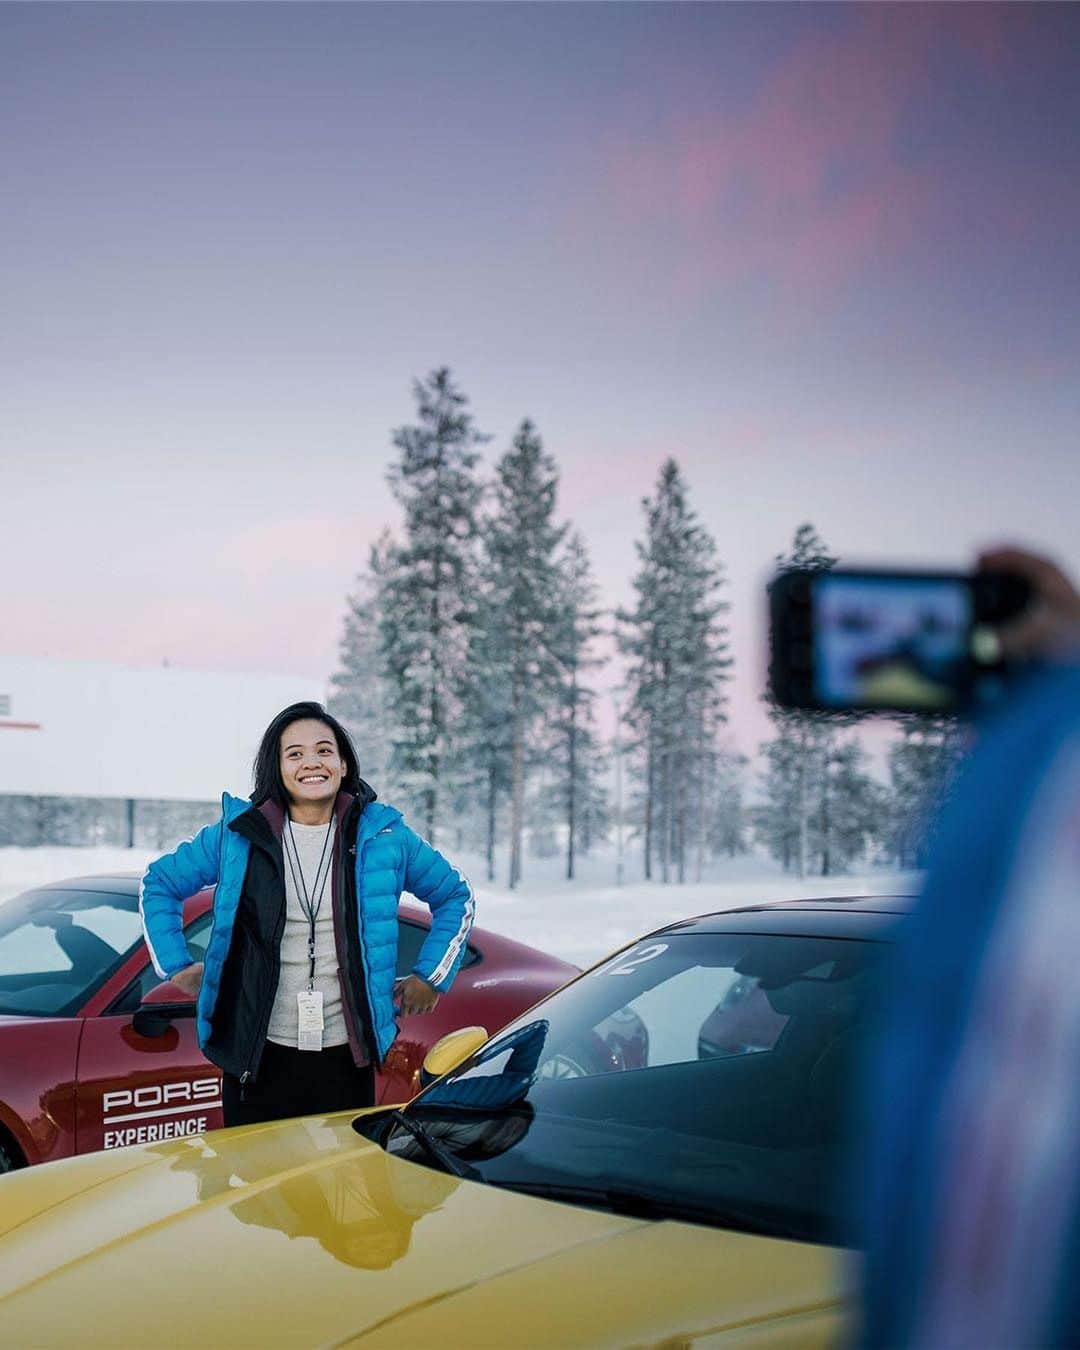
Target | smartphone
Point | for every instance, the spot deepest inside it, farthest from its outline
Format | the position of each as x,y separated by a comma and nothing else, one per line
868,640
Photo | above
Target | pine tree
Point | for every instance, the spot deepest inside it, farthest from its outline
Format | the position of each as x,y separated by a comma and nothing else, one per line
727,815
543,811
704,768
521,541
796,758
360,694
922,763
594,807
676,645
850,810
426,606
777,817
576,754
485,740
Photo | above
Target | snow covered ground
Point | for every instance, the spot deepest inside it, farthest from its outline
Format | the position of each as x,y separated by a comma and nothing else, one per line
584,920
580,921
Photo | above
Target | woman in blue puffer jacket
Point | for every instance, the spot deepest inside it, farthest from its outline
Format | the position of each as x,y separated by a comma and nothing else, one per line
296,1003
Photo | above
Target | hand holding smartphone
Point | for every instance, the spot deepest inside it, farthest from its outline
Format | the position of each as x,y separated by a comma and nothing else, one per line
870,640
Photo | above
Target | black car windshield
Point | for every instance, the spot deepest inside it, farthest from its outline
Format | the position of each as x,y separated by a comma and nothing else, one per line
696,1075
56,946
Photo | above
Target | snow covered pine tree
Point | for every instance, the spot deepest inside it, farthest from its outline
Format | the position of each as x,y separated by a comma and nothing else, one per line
677,652
426,596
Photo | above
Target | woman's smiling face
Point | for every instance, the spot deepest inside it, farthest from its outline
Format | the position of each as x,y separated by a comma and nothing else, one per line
311,764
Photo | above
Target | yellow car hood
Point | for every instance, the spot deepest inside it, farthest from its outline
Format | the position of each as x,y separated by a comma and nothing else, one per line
302,1233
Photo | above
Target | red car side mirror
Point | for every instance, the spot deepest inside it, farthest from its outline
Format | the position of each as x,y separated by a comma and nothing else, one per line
160,1007
167,992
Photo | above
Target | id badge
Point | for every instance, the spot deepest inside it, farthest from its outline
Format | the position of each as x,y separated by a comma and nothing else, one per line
309,1019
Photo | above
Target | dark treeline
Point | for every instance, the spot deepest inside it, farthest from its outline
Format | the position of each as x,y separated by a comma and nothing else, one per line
469,667
84,822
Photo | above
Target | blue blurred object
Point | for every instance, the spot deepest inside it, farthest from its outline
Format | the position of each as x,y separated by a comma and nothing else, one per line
969,1188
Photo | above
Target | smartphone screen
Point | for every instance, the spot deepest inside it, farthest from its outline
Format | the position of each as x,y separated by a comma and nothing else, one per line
891,641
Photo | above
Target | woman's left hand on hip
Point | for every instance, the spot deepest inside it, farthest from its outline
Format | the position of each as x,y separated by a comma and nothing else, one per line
413,995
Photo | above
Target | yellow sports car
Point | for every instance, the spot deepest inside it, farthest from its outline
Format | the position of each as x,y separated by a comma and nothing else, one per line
649,1157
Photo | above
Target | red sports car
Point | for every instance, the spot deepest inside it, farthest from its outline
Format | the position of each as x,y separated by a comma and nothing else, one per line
96,1053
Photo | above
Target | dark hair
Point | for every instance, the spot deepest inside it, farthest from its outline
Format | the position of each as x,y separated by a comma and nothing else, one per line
267,768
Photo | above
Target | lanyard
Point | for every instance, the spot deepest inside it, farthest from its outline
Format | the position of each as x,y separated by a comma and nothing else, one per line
309,906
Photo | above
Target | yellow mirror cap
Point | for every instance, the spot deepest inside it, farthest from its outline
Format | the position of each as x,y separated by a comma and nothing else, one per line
452,1049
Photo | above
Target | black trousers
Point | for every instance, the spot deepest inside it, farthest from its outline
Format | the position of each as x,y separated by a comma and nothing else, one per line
297,1083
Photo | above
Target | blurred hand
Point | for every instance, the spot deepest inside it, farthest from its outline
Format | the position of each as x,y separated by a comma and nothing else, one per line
189,979
1049,629
414,995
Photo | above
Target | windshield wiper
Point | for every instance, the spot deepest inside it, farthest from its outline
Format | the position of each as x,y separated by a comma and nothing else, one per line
643,1205
431,1146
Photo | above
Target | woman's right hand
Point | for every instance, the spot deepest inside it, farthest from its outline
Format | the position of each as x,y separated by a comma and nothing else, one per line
189,979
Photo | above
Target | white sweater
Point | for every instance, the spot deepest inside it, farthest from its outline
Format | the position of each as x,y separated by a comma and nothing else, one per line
295,965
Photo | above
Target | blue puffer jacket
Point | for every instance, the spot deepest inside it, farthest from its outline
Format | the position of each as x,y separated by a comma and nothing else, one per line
389,858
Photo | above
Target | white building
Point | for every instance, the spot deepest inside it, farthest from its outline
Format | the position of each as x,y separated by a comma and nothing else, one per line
126,737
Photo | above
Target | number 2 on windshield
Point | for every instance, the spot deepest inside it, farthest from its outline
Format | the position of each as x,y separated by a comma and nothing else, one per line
628,964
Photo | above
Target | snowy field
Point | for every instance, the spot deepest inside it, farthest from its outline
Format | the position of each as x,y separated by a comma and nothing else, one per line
580,921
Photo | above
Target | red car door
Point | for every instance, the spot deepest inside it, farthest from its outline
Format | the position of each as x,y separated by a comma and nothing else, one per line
135,1089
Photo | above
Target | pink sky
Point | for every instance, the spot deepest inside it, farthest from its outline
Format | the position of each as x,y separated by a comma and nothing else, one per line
823,255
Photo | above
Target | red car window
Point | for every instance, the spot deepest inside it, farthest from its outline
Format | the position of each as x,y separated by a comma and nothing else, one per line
56,946
197,934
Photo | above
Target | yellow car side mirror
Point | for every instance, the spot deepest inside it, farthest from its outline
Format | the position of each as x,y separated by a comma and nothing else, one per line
451,1050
